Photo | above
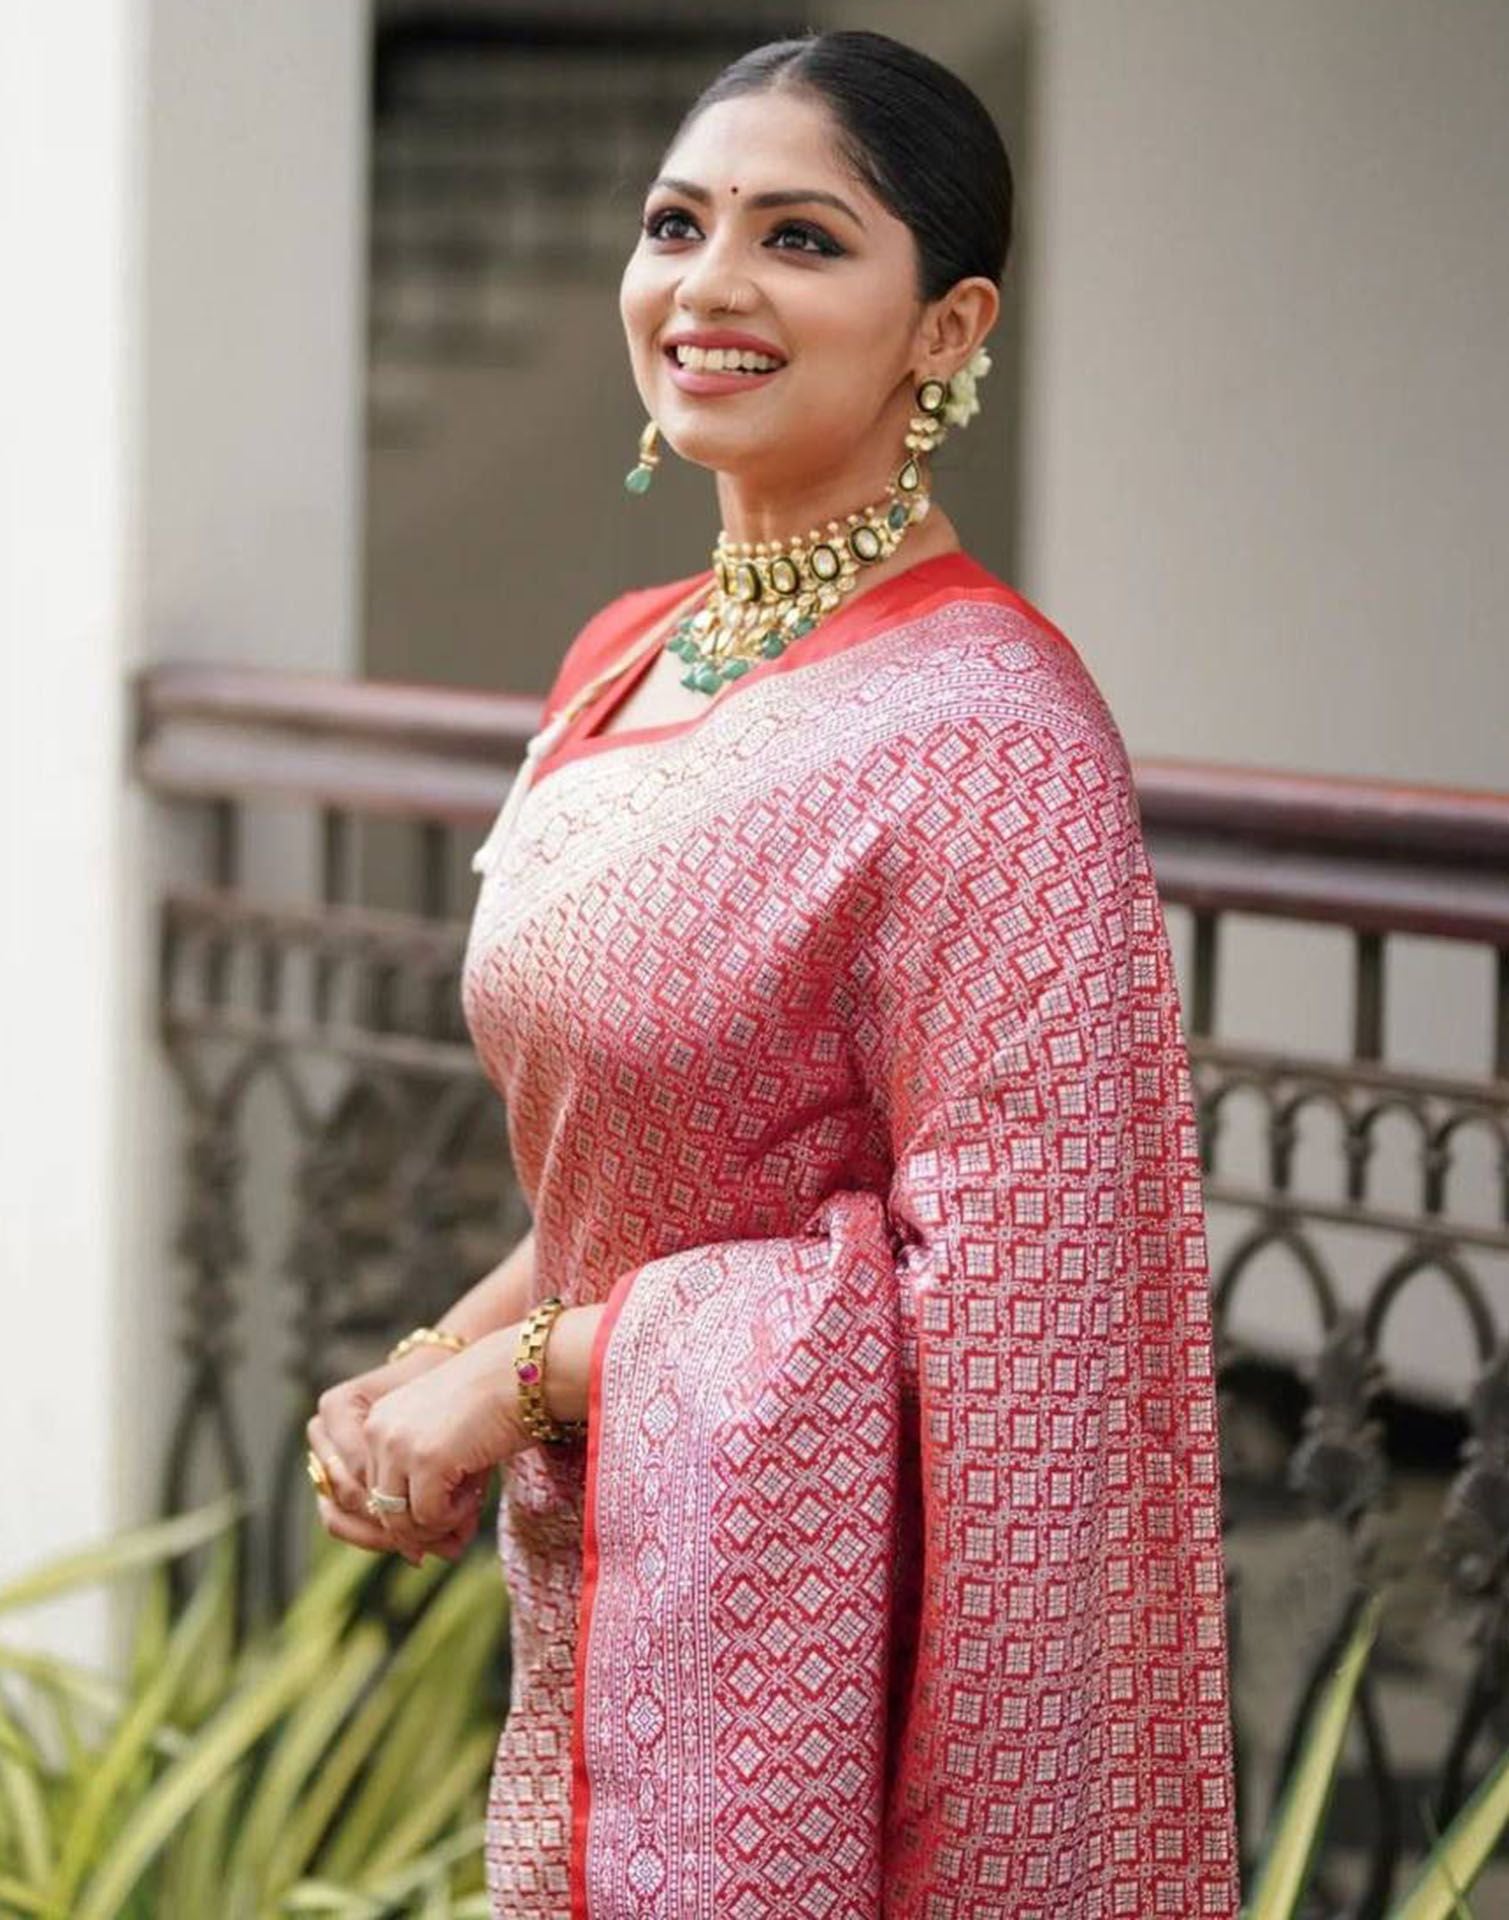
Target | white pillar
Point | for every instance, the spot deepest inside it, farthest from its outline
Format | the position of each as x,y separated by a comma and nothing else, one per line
182,190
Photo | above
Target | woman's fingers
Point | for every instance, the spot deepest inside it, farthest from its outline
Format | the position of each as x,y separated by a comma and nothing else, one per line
357,1463
350,1496
349,1493
436,1521
342,1412
358,1531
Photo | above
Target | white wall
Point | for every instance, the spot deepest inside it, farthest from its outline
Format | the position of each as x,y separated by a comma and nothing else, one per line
69,443
183,190
1267,464
1268,419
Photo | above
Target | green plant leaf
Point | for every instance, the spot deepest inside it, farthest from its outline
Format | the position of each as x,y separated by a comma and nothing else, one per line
321,1896
140,1547
1459,1855
154,1622
26,1811
24,1801
337,1574
427,1813
194,1862
437,1903
422,1654
92,1690
462,1846
24,1900
294,1758
1294,1836
213,1601
438,1714
217,1747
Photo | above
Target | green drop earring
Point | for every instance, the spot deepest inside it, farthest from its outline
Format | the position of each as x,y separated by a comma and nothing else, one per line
638,479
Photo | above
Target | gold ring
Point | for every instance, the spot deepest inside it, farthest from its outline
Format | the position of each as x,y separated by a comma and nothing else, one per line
319,1473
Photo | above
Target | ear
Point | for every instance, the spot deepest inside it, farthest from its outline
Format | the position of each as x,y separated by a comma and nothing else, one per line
955,324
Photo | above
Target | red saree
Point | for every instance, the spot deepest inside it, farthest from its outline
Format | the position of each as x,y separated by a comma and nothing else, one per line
842,1054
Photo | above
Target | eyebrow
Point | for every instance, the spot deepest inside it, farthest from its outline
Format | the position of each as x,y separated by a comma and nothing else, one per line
777,197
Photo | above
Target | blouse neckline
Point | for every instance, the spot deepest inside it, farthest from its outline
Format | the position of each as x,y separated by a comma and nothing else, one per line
909,593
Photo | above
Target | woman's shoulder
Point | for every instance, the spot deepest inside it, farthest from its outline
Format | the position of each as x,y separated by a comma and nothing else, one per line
1005,657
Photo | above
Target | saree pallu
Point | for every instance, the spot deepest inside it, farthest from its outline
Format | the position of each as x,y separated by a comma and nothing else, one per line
842,1055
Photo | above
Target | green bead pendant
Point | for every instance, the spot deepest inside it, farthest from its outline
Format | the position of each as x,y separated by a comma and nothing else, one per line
638,479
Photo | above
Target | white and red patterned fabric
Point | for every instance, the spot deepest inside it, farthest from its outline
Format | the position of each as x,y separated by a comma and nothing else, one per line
842,1055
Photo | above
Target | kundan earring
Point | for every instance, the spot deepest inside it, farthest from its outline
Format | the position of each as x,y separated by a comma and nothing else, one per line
638,479
925,429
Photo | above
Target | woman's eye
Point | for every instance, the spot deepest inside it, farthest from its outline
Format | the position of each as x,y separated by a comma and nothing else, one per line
813,239
654,225
819,241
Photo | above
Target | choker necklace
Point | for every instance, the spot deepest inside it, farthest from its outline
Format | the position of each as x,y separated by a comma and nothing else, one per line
769,593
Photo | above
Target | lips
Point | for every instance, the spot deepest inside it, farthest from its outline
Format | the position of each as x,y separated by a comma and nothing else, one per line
721,337
705,384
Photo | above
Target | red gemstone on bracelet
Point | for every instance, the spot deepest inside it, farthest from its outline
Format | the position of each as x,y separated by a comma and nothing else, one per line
528,1371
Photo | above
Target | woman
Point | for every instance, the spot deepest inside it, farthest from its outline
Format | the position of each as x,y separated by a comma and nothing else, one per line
861,1508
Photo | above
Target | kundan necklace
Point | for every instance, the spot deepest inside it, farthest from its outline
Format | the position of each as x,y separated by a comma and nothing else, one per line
767,593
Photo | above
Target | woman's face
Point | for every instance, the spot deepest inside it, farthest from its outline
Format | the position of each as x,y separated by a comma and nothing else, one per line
824,282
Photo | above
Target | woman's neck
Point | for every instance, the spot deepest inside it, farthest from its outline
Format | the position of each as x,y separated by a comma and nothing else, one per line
923,541
754,513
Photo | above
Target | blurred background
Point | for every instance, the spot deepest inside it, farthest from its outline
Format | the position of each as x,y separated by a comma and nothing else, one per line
316,413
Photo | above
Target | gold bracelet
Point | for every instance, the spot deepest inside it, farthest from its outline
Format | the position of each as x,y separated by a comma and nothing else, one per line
529,1366
425,1337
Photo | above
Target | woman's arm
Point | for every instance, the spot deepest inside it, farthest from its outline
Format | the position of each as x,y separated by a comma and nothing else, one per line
498,1299
568,1361
337,1430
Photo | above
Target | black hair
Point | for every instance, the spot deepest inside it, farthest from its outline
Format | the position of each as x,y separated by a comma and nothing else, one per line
920,139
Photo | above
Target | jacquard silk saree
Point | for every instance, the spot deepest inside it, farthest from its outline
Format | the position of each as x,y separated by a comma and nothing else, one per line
842,1056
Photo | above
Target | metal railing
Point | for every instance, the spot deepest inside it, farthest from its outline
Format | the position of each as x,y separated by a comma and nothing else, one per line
400,1190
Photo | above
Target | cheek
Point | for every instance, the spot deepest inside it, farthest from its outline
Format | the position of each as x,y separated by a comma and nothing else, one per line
639,303
628,311
851,328
844,361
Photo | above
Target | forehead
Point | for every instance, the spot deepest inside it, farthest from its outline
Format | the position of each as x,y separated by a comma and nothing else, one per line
759,140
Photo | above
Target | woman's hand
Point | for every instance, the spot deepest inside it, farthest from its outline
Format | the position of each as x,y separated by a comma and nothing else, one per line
337,1436
436,1438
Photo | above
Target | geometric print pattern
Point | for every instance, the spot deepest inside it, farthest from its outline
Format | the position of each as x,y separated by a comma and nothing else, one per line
842,1055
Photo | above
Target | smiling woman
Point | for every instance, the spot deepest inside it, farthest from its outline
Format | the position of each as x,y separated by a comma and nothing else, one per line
855,1396
762,233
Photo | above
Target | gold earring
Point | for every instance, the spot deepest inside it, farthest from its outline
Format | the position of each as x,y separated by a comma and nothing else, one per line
924,431
638,479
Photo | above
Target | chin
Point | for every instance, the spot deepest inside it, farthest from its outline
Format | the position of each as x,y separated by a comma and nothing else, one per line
704,444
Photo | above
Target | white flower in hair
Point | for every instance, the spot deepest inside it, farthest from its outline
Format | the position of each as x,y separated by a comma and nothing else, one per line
963,402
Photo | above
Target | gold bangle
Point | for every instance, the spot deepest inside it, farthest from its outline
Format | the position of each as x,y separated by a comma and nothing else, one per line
425,1337
529,1369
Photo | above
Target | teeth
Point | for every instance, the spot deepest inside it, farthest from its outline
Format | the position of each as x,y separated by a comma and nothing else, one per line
725,360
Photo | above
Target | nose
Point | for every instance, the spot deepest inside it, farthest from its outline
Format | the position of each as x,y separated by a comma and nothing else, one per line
712,279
